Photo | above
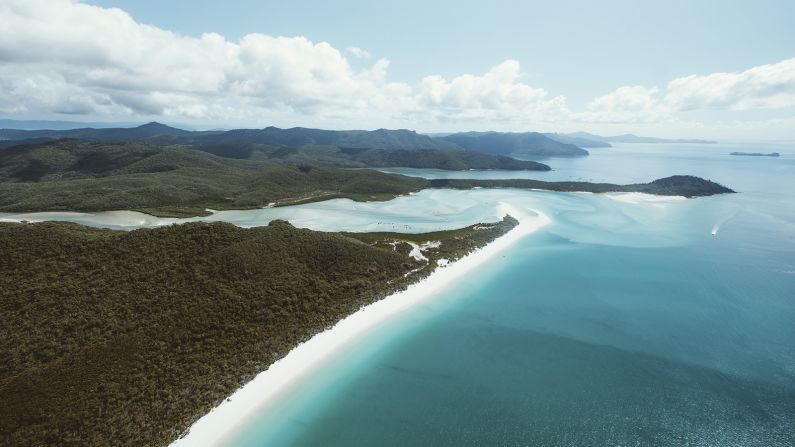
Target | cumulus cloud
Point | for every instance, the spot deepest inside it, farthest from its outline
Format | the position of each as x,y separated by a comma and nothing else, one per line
764,87
359,53
68,57
497,95
628,104
63,56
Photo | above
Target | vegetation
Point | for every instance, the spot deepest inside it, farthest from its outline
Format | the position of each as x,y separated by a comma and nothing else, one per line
161,134
76,175
125,338
87,176
531,144
350,148
318,155
677,185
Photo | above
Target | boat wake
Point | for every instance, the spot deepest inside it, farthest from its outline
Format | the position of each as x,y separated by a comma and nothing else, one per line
716,228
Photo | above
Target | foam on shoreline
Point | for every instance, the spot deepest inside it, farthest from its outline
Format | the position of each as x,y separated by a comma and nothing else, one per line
226,418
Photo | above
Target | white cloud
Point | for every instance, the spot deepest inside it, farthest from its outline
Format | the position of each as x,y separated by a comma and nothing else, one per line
67,57
765,86
62,56
497,95
359,53
628,104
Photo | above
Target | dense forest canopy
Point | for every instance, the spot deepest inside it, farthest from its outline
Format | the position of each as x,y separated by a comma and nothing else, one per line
124,338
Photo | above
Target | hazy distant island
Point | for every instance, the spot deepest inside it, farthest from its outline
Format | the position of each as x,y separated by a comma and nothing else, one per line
630,138
756,154
178,181
538,144
577,140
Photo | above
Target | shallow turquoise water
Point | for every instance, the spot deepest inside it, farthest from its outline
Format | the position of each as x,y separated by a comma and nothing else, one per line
618,324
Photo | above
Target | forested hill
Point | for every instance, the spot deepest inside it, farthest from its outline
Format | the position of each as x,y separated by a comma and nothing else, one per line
99,348
86,176
676,185
531,144
312,147
157,133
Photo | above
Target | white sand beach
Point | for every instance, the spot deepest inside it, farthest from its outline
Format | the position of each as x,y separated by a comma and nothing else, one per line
225,419
640,198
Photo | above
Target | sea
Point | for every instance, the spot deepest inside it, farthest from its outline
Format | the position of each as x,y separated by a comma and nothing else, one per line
624,322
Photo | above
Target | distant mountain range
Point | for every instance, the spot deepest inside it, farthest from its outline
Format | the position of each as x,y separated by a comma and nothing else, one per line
241,141
296,146
161,134
247,143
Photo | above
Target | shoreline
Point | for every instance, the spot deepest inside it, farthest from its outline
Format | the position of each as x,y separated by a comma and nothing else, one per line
225,419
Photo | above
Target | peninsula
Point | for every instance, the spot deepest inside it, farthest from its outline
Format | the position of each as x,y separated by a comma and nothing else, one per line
102,349
77,175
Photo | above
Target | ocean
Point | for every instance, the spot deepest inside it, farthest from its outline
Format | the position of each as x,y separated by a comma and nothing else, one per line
619,324
622,323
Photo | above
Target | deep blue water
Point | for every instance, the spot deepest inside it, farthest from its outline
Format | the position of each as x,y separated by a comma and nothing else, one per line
618,324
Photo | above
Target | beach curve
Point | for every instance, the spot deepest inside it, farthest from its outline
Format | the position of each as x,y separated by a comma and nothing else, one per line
224,420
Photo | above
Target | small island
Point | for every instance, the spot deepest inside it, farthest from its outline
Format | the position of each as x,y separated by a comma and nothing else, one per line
676,185
756,154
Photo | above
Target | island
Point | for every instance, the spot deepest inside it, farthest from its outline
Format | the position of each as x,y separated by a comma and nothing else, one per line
78,175
756,154
676,185
527,144
634,139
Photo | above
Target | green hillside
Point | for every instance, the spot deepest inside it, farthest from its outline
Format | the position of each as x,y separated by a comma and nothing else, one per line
86,176
99,347
529,144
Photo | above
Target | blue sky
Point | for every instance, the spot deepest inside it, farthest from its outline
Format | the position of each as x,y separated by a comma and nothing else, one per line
567,65
580,48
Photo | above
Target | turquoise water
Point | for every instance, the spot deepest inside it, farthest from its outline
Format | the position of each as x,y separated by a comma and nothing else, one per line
618,324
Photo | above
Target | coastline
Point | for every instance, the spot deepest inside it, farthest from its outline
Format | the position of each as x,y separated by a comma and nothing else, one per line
225,419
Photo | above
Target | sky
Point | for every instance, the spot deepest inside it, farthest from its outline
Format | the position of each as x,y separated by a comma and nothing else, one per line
700,69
